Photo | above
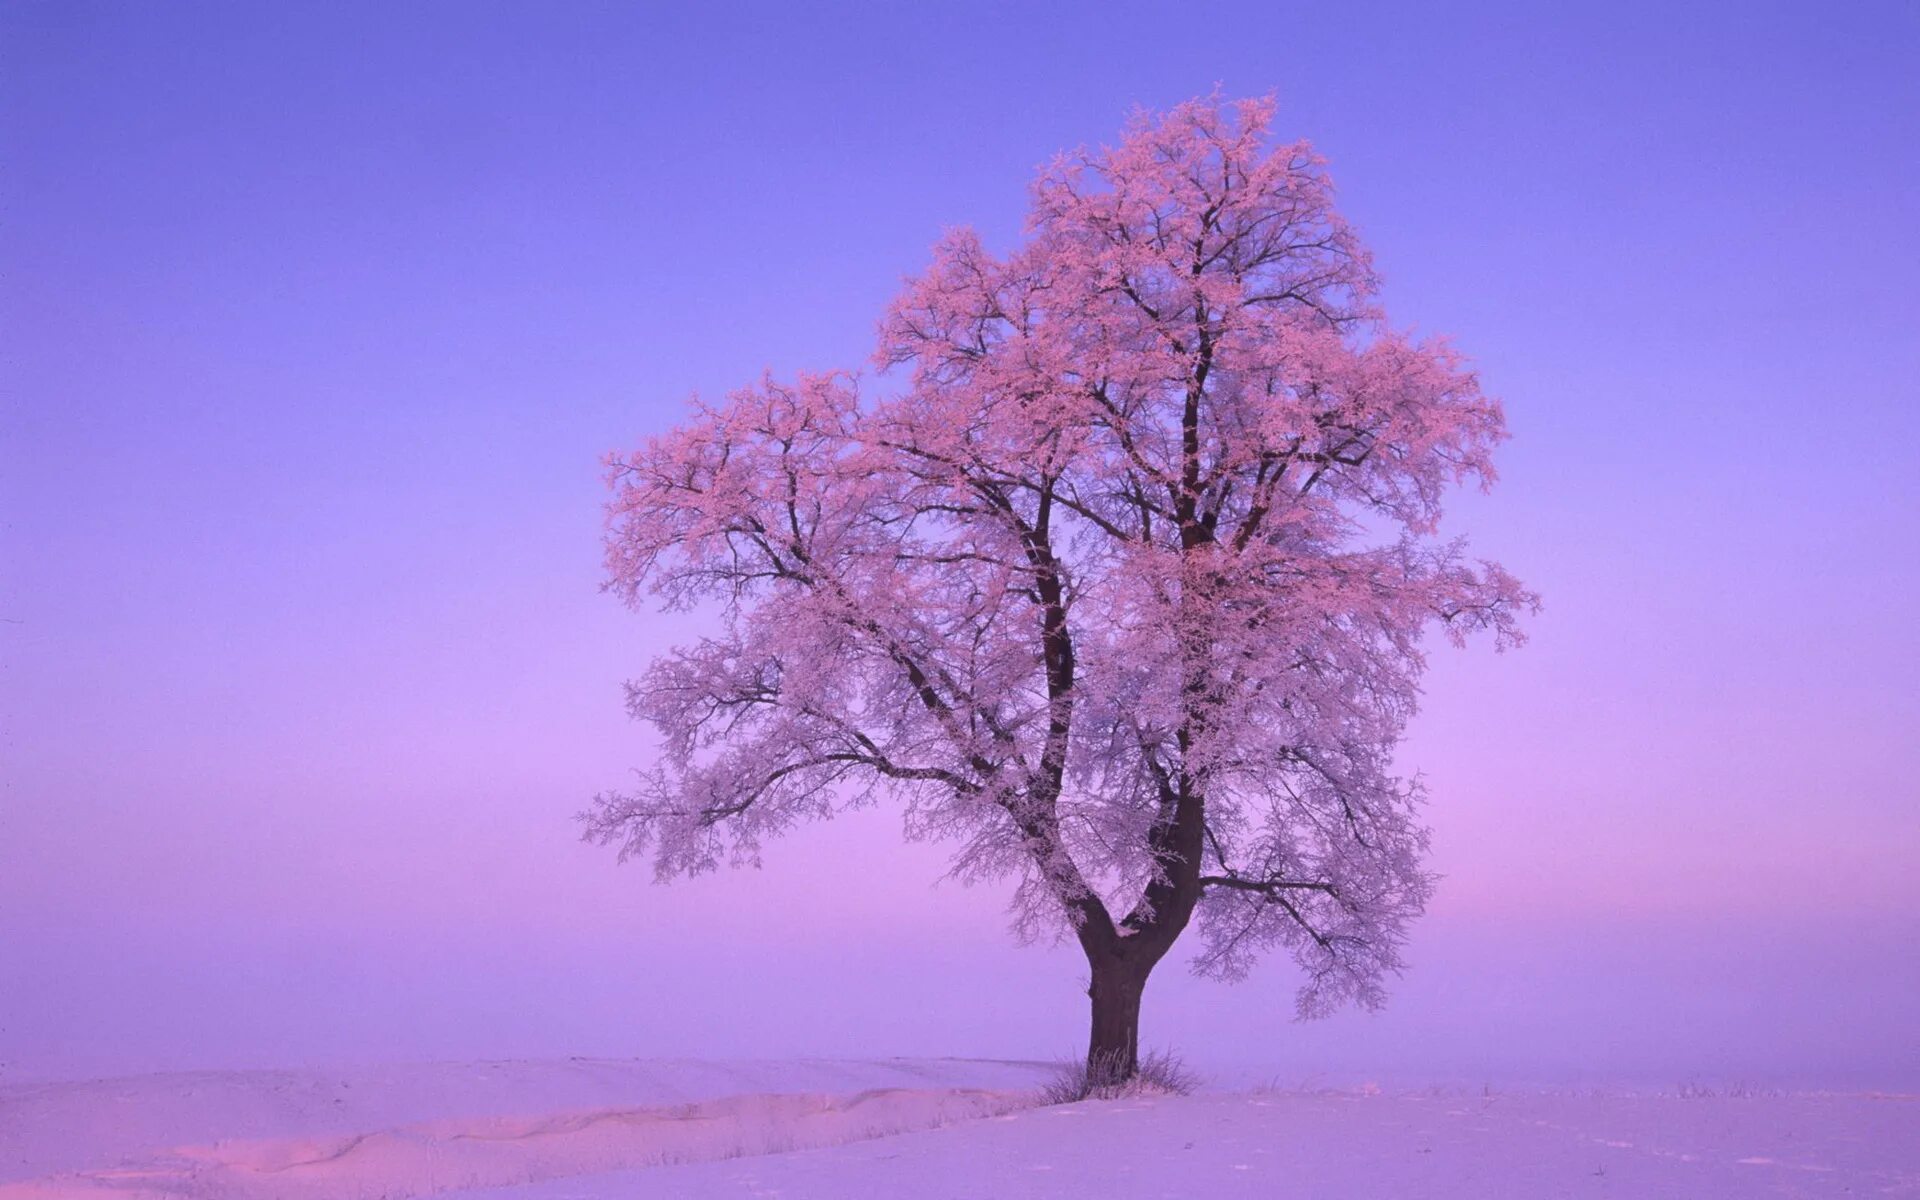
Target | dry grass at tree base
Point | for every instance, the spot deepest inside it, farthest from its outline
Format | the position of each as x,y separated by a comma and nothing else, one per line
1160,1073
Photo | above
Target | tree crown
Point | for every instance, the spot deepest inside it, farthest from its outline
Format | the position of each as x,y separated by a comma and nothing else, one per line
1124,591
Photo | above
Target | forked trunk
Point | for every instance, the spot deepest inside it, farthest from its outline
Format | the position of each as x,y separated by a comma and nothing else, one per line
1113,1049
1120,959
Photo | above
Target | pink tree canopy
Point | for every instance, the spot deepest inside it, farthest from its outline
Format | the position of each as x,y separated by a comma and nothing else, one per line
1124,591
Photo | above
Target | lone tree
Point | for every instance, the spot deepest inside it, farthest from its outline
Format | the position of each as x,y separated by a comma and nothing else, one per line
1124,591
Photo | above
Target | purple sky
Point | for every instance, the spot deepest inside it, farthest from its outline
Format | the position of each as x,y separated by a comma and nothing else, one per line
317,317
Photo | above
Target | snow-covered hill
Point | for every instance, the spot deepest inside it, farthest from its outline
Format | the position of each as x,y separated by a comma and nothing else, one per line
1337,1146
592,1129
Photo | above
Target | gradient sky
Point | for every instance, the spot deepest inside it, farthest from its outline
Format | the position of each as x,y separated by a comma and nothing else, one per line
315,318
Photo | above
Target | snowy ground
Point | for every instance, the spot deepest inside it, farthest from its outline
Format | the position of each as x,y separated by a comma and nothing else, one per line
611,1130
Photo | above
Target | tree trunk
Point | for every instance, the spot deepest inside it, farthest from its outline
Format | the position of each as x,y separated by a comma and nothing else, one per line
1113,1048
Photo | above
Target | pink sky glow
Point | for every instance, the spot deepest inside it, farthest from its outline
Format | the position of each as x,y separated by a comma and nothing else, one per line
318,324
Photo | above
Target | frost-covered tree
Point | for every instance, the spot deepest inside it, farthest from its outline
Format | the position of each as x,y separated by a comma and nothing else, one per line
1124,592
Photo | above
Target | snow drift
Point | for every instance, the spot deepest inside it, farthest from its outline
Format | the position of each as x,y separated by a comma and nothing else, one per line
308,1136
